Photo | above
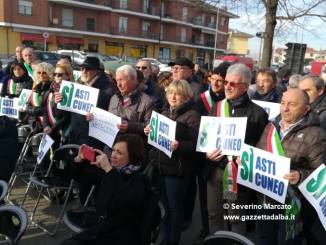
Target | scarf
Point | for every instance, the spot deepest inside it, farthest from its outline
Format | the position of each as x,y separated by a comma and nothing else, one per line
128,169
230,186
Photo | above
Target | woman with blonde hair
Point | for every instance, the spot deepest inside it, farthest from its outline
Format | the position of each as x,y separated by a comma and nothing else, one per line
43,75
177,171
56,121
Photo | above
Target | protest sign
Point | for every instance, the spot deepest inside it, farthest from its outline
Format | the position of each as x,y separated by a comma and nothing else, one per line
9,107
272,109
263,171
104,126
77,98
225,133
23,98
162,133
1,85
313,189
45,145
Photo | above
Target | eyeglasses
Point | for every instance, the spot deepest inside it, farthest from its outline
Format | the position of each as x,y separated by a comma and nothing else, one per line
141,67
179,68
41,73
84,69
57,74
232,84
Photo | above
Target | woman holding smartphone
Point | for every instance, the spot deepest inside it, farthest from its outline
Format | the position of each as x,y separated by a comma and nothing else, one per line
122,193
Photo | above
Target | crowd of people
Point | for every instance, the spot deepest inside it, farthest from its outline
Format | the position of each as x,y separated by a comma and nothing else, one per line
184,95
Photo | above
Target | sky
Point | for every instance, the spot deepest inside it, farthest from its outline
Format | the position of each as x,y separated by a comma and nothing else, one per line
312,31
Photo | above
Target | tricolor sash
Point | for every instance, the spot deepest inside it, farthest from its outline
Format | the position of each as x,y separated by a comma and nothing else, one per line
207,100
11,87
36,102
293,227
230,186
49,105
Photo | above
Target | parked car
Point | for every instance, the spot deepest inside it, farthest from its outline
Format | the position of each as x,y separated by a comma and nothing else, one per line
48,57
77,57
163,67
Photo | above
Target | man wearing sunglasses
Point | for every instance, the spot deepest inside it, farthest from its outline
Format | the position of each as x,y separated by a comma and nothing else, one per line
150,85
236,84
182,69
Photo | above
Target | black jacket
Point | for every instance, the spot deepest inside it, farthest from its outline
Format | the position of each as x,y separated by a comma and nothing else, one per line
271,96
25,82
185,159
120,206
200,105
319,106
79,125
256,122
8,147
196,87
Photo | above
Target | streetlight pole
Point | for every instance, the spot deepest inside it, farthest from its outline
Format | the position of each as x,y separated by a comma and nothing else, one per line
261,36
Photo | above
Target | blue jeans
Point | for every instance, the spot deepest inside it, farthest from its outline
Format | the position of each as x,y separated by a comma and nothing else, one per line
174,189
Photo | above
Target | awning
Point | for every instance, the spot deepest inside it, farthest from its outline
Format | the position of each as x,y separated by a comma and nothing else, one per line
70,40
33,37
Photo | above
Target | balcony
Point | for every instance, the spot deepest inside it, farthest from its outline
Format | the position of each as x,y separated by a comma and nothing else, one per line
133,33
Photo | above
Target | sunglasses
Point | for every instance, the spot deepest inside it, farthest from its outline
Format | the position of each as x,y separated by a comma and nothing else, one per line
232,84
57,74
41,72
84,69
141,67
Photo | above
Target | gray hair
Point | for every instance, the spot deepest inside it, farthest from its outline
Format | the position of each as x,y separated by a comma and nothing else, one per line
317,81
240,69
148,62
128,71
48,68
294,80
28,49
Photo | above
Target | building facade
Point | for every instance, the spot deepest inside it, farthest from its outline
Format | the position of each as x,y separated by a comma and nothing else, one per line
162,29
238,42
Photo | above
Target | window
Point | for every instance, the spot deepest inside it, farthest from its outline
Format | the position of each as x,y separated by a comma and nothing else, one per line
90,24
183,34
184,13
25,7
165,54
162,8
93,46
146,6
123,23
203,17
223,21
201,41
162,33
145,26
222,39
123,4
67,17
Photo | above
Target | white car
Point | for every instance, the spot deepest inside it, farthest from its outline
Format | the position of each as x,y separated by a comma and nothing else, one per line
163,67
77,57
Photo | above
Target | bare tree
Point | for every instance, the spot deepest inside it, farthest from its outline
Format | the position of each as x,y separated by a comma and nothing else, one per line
278,16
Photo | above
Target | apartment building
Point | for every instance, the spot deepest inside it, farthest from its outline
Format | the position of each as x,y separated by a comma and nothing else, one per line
162,29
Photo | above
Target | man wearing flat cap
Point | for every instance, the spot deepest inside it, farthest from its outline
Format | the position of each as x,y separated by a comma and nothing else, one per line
182,69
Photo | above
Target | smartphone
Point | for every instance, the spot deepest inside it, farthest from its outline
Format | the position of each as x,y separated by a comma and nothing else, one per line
88,153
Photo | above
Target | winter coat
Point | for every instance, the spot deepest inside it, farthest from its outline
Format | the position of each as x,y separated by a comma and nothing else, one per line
137,113
201,105
8,147
119,207
185,159
271,96
196,87
319,106
78,123
257,119
305,145
13,86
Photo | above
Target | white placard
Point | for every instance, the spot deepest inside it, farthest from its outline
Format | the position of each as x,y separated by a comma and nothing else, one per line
162,133
1,85
104,126
24,97
77,98
272,109
9,107
313,189
225,133
263,171
44,147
